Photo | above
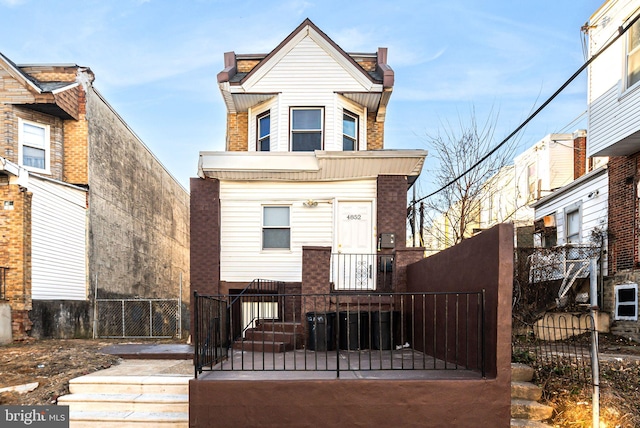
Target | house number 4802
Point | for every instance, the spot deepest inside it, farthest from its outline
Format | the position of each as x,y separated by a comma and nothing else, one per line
354,217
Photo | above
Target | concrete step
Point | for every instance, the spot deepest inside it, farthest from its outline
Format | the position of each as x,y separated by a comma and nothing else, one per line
260,346
145,403
273,336
524,423
530,410
282,326
521,372
525,391
96,384
124,419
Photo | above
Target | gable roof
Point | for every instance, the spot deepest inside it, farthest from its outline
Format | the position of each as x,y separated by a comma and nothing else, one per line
45,95
237,86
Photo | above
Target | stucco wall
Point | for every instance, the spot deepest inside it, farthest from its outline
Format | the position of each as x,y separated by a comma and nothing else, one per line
138,214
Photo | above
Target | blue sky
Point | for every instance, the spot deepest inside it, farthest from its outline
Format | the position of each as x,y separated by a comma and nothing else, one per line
156,61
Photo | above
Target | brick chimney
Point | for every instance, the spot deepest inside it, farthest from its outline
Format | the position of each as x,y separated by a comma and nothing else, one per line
579,153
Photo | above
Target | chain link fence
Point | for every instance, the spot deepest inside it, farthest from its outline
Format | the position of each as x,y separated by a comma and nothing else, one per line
137,318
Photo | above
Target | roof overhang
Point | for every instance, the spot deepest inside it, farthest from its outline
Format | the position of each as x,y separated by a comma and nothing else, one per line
580,181
311,166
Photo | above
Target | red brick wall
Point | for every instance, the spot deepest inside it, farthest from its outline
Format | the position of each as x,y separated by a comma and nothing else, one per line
205,235
623,212
579,156
392,207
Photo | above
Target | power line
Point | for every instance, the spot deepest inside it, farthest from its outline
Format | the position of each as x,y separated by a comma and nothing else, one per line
621,31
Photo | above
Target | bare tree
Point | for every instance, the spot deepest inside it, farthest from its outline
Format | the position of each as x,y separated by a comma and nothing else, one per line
454,212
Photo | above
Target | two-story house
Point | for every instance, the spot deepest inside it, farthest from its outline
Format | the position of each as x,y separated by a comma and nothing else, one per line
614,131
304,168
85,208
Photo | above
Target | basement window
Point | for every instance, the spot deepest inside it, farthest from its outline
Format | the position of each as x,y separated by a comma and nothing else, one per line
626,302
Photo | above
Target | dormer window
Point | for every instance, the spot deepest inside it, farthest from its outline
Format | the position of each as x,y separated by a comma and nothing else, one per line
633,55
349,131
306,129
34,145
264,132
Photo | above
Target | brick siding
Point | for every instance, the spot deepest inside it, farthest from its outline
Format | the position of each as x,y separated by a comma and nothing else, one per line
375,133
237,132
579,156
623,213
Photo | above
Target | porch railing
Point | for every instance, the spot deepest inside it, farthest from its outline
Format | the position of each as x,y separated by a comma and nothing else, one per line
361,272
343,331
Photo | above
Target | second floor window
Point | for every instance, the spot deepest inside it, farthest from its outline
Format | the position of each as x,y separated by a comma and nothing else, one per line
264,132
633,55
573,226
349,131
34,146
306,129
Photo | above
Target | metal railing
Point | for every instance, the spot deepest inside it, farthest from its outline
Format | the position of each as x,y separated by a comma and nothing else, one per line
210,335
344,331
361,272
3,282
238,323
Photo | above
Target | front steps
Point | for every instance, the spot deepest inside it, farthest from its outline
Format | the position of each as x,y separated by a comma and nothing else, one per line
272,336
525,409
128,401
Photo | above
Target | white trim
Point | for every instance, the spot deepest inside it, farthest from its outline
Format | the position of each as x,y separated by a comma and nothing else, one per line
263,227
47,145
634,303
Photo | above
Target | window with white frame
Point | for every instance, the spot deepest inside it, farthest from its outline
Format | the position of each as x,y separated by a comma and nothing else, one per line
626,302
276,227
34,145
306,129
573,223
633,54
349,131
264,132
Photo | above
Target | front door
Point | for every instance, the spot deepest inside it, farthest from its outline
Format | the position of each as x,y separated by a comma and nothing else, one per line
354,265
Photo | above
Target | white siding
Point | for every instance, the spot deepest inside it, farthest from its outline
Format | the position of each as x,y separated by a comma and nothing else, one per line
560,161
594,208
307,76
242,257
58,242
614,111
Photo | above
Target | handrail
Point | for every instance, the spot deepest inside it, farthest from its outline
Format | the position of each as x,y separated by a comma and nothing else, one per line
255,285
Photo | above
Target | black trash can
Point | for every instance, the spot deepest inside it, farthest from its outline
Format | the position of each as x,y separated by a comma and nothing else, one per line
349,331
382,335
321,333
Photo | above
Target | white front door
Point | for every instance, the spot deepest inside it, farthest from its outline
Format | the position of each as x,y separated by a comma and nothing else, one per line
354,265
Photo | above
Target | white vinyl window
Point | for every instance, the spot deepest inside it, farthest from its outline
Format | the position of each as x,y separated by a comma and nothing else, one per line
34,146
626,302
264,132
633,55
276,229
573,223
349,131
306,129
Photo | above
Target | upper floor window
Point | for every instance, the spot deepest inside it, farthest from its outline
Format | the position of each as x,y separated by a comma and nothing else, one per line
306,129
276,230
573,224
34,145
633,55
349,131
264,132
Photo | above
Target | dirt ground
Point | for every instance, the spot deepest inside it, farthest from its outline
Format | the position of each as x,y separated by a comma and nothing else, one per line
52,363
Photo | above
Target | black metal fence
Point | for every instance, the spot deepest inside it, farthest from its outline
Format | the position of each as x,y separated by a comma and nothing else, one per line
340,331
210,334
361,272
558,343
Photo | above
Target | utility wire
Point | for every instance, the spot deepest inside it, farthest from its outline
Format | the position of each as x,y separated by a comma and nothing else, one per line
621,31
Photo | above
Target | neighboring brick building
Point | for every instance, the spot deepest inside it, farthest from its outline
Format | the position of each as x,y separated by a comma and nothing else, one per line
85,205
614,130
305,175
